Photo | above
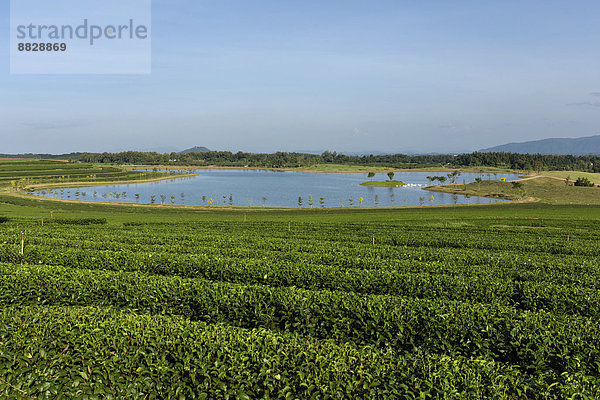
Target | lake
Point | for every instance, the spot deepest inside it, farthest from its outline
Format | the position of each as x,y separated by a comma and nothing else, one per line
255,187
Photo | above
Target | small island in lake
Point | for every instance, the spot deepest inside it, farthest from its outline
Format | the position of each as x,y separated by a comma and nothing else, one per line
384,184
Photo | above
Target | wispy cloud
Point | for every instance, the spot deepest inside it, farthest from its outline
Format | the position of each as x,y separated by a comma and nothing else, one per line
449,125
593,104
589,104
452,126
53,125
356,132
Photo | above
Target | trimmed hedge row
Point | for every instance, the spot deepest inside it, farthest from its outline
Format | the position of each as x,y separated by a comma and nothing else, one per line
78,221
92,353
565,344
324,245
483,285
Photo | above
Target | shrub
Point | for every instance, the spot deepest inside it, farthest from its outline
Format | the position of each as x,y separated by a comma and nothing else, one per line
131,223
80,221
583,182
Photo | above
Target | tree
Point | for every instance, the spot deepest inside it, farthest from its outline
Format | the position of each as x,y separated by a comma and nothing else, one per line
453,176
478,180
390,175
371,175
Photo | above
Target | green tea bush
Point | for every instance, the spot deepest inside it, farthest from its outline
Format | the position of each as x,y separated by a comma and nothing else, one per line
441,308
79,221
104,353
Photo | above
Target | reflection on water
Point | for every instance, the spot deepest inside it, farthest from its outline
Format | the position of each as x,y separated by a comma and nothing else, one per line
237,187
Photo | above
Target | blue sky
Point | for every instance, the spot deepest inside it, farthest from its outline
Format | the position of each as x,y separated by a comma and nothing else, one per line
263,76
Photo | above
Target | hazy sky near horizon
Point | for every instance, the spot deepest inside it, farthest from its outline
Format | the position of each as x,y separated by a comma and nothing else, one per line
264,76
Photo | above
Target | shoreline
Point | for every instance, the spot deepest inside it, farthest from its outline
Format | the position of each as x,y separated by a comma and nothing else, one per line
27,194
453,189
31,196
450,190
439,188
41,186
388,184
360,170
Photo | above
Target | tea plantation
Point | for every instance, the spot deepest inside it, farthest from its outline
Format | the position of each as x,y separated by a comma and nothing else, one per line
479,302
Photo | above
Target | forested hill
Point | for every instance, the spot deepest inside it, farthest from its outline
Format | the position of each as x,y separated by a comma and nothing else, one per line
195,149
559,146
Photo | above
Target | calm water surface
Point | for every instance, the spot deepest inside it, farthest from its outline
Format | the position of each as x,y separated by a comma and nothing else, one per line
243,187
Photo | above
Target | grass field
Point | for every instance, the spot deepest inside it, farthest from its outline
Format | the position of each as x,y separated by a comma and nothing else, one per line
366,169
334,168
542,189
472,302
46,173
573,175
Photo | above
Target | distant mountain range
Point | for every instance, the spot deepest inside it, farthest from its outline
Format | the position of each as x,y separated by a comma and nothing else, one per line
195,149
559,146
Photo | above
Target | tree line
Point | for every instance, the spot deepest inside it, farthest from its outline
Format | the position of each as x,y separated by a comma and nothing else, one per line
525,162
